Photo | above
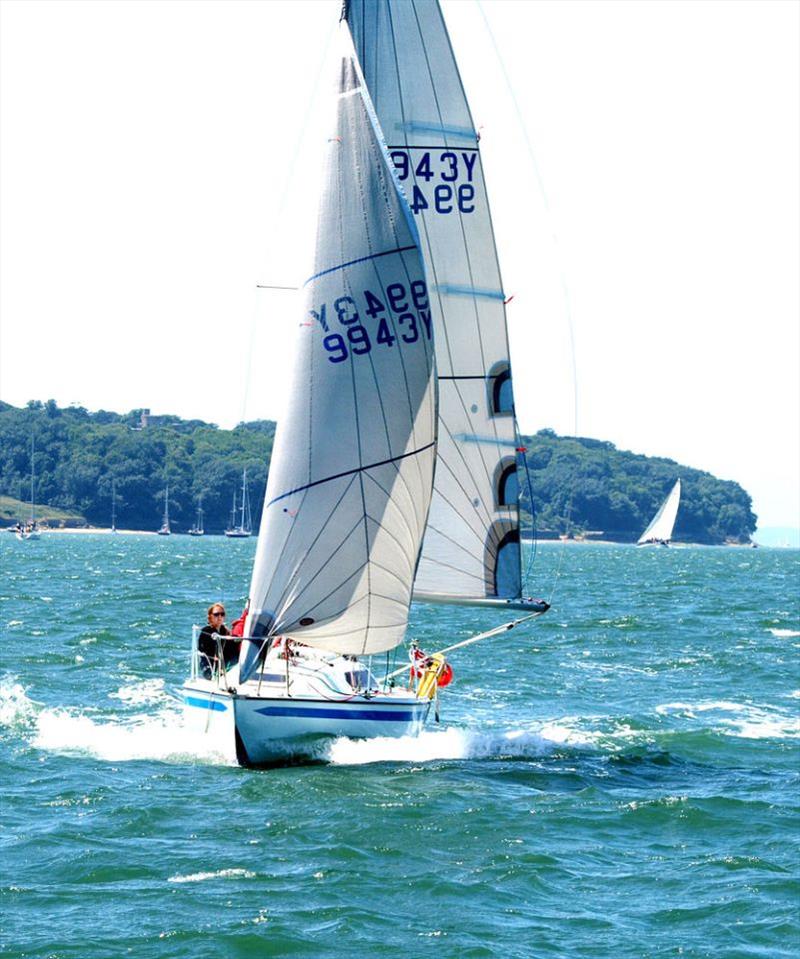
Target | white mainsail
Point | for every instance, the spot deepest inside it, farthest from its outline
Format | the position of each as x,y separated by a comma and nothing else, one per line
352,467
471,551
662,524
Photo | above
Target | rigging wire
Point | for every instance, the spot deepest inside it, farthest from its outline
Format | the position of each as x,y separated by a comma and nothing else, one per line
562,279
281,210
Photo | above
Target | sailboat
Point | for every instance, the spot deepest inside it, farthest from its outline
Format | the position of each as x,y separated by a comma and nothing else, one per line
659,530
113,506
165,528
401,372
30,529
244,527
197,529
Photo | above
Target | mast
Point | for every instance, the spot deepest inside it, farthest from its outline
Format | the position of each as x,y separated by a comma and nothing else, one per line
113,506
244,528
33,497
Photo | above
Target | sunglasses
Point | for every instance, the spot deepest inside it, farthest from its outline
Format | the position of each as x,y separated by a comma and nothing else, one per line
218,614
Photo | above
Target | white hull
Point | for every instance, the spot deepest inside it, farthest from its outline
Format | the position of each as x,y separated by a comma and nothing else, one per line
34,534
283,710
265,728
237,534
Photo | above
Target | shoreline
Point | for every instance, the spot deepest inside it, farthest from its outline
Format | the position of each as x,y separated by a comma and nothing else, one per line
106,531
102,530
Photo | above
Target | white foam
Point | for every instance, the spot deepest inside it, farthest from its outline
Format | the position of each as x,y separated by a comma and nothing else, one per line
15,706
219,874
455,743
743,720
785,633
141,693
161,736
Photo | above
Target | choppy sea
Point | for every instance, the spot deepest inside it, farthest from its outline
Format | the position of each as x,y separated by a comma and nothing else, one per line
620,779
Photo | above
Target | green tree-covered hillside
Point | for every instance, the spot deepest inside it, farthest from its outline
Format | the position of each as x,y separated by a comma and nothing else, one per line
78,454
578,484
582,484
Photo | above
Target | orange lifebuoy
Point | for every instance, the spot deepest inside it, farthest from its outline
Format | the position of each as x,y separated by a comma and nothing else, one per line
446,675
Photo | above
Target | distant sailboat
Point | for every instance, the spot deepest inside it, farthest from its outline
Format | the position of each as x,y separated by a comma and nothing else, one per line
245,526
30,530
165,530
659,532
197,529
113,506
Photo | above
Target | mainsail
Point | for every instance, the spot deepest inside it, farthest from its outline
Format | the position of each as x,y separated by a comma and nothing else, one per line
352,467
662,524
471,551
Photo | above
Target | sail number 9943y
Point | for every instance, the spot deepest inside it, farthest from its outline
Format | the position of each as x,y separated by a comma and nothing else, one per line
398,314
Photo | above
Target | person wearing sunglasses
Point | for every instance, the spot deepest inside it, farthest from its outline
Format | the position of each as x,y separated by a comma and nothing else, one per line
207,645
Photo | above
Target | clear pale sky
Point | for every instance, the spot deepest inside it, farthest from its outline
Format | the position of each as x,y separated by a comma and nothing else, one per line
159,159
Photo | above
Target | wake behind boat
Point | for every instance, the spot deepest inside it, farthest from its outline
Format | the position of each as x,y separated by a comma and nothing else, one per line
401,366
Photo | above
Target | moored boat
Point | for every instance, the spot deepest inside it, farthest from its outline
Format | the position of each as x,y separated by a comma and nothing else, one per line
164,529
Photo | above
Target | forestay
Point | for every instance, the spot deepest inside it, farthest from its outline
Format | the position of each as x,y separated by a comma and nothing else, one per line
471,547
352,467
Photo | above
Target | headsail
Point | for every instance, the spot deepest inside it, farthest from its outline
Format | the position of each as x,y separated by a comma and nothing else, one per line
662,524
352,467
472,549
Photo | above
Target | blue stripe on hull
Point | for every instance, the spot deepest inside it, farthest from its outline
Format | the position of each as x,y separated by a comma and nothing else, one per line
310,712
212,704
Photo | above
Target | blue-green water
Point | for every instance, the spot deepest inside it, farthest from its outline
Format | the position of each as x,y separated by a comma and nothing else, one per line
620,779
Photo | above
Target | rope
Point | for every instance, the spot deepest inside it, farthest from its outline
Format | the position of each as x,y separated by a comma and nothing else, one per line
522,450
472,639
280,213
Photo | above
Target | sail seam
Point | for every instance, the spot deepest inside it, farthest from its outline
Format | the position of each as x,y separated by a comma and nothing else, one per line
299,595
471,376
361,259
436,146
352,472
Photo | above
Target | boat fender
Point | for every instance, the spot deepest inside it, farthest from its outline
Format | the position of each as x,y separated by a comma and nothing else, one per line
430,676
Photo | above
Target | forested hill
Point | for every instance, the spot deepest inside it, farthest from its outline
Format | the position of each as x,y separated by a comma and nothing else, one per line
582,484
579,485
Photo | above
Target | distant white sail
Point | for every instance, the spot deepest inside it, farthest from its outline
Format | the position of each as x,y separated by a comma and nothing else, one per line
352,467
662,524
471,549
